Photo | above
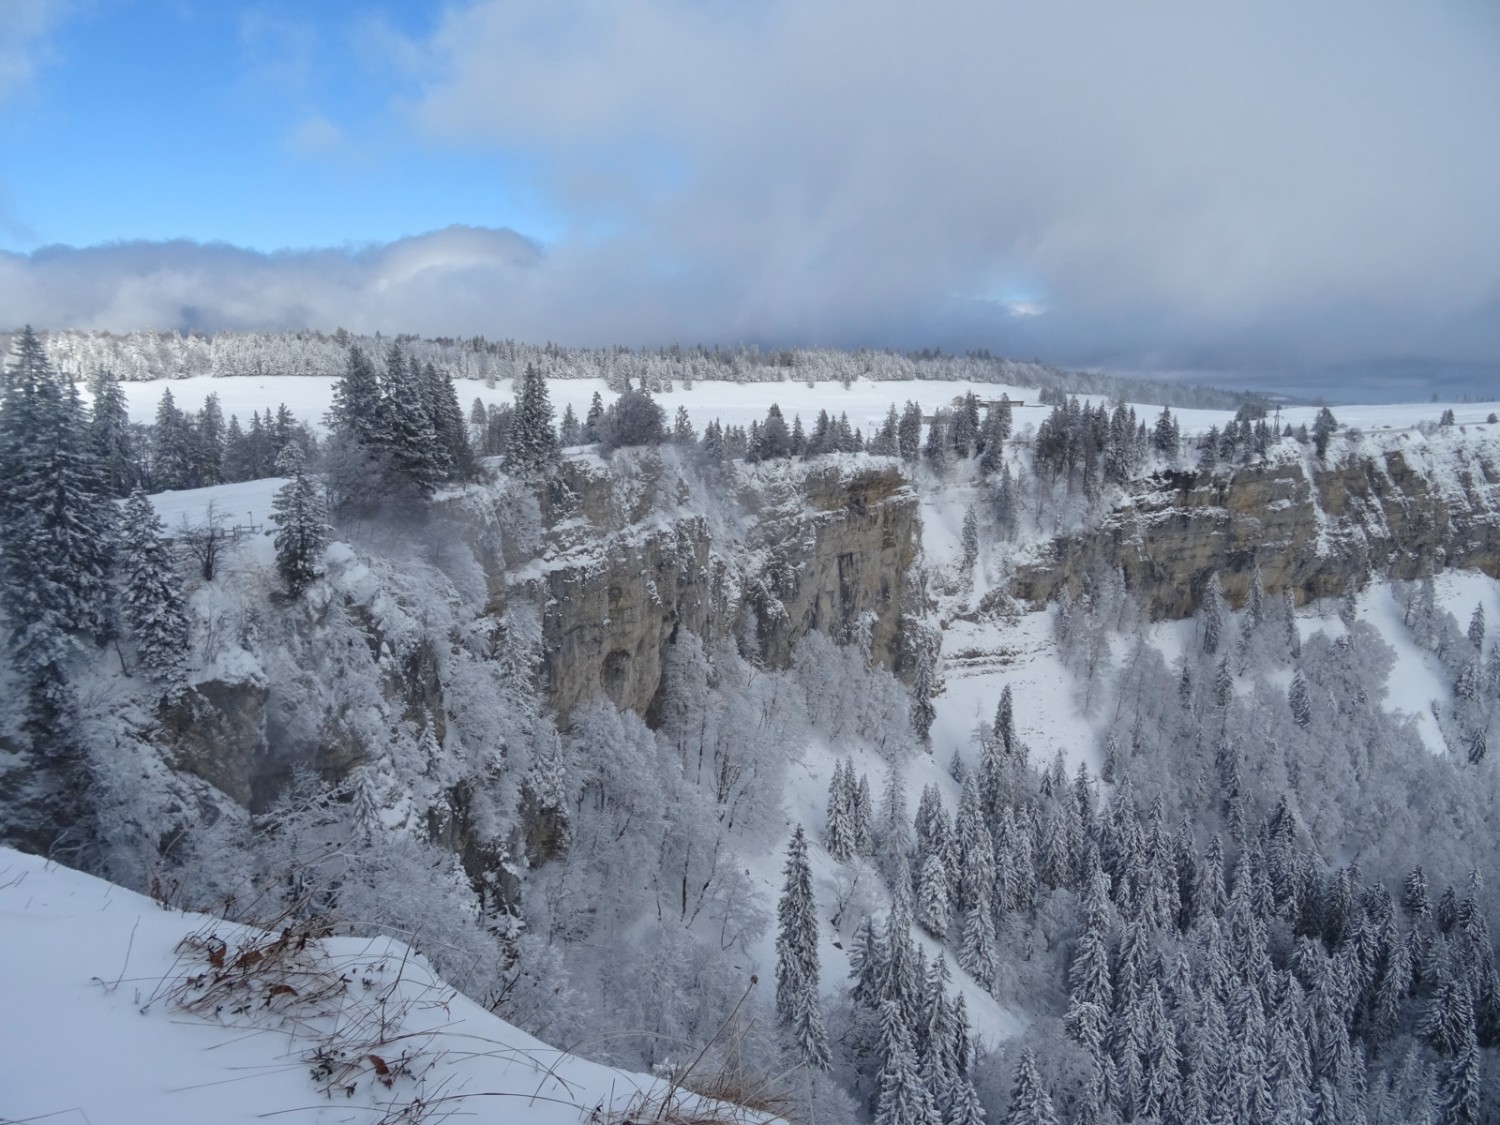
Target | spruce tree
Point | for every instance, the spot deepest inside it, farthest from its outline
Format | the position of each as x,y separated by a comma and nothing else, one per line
208,446
455,457
1030,1104
839,837
297,511
151,593
171,446
976,955
109,431
592,418
797,1010
902,1097
922,711
1300,700
57,534
1213,616
406,437
356,410
532,447
933,911
569,430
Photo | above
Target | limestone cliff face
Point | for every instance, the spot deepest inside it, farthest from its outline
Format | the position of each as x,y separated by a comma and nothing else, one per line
631,552
1311,528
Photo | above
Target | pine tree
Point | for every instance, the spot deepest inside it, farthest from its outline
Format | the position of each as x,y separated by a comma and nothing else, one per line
1164,435
922,711
356,411
569,430
839,836
683,433
1005,722
933,911
902,1097
109,431
1460,1084
909,433
151,592
1213,616
797,1009
1300,700
864,813
592,419
970,539
171,446
208,448
935,451
1030,1104
56,526
895,829
406,438
1322,430
57,534
297,511
455,455
976,955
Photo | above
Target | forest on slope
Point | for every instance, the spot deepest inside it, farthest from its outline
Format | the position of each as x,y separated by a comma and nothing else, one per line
1243,887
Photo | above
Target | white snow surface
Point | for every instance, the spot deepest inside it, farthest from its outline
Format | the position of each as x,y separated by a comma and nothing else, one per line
308,398
94,1032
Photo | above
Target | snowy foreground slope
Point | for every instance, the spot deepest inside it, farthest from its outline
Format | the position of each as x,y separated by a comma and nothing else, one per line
119,1010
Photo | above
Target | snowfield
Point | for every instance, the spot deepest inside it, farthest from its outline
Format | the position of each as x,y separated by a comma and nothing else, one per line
308,398
113,1016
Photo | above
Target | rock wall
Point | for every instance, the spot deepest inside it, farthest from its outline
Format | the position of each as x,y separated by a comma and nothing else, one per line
1311,528
632,552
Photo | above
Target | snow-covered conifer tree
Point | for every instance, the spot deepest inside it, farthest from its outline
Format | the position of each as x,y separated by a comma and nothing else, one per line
976,955
533,444
923,711
1213,616
355,411
895,829
797,1004
151,592
1030,1104
933,911
863,807
109,431
839,836
1300,700
902,1097
56,531
592,418
302,526
405,435
970,539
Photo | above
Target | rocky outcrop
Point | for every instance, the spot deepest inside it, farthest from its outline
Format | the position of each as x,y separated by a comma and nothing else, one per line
217,731
1310,528
837,551
630,553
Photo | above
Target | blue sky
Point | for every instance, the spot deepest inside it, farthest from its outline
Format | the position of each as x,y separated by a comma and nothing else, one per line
1298,191
253,124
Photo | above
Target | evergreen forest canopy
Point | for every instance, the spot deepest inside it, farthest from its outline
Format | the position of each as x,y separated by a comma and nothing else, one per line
1268,903
172,355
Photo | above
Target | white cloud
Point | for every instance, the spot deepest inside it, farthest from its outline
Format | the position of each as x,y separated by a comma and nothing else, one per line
1219,170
